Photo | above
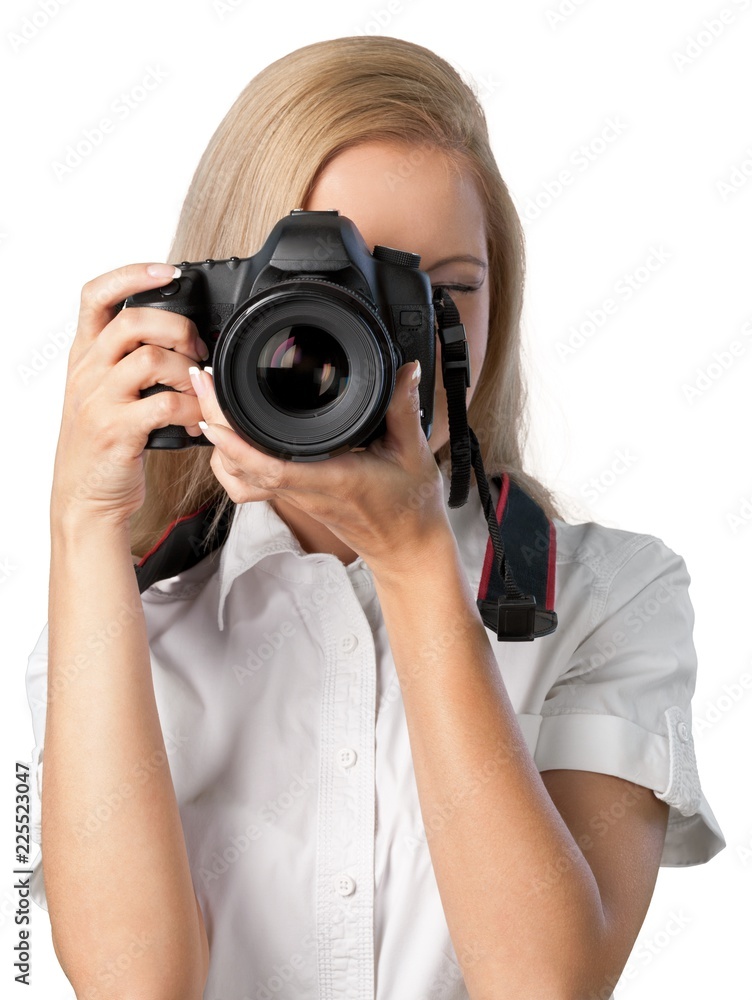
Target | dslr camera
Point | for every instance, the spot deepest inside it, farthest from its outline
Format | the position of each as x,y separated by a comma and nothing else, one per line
305,337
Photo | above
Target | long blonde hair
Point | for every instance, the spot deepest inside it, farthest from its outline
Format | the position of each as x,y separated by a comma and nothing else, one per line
264,159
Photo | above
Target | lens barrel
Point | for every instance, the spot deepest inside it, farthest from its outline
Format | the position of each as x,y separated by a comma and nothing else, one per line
305,370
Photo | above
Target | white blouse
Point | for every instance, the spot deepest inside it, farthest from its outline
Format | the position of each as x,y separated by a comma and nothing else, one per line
289,752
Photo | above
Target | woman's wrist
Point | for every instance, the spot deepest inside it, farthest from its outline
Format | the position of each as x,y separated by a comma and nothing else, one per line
76,528
424,556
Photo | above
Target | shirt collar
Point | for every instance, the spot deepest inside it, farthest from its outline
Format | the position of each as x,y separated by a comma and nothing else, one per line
257,531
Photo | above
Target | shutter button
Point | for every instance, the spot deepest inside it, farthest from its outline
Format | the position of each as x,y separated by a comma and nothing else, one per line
346,756
683,731
345,885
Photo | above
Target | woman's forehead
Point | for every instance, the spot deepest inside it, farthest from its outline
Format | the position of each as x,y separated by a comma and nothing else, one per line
410,197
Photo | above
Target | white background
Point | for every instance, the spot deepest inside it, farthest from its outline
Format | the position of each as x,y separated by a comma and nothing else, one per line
549,88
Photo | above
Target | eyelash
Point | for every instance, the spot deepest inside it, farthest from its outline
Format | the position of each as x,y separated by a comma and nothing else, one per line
459,288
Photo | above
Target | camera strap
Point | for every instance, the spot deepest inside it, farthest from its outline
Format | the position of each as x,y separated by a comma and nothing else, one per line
522,528
514,614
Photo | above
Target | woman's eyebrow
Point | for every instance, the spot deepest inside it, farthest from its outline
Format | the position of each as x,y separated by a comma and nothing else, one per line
468,257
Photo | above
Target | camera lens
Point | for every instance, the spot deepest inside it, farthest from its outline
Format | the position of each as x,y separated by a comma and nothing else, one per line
302,368
305,370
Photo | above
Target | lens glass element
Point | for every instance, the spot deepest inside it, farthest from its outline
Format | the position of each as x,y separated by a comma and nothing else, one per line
302,368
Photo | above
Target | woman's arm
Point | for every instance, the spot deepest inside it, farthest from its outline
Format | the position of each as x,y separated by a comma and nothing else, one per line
527,916
125,919
494,831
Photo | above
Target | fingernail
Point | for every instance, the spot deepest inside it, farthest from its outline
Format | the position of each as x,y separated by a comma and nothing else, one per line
206,429
163,271
416,372
201,349
198,385
210,370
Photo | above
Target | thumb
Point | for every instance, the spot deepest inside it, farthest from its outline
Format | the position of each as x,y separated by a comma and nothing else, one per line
403,415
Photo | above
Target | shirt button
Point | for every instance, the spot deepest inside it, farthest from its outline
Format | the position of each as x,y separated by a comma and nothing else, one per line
344,885
348,643
346,756
683,731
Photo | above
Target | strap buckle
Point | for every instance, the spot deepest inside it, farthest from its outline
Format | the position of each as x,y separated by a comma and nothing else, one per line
454,338
511,618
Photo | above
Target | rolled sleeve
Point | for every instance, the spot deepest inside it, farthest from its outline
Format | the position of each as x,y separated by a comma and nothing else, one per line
36,692
623,704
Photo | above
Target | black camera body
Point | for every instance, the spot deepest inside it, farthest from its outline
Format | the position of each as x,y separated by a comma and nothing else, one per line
305,337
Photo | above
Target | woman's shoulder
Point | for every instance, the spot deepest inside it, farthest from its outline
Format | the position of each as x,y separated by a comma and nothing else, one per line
616,569
603,548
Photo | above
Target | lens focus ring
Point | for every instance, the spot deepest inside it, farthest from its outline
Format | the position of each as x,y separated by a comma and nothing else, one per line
305,370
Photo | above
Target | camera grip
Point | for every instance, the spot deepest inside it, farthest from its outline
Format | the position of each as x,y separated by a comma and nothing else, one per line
173,436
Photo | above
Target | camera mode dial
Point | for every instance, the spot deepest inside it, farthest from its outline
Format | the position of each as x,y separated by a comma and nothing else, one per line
391,256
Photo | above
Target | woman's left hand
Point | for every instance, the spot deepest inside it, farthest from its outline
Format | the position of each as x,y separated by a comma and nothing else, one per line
385,502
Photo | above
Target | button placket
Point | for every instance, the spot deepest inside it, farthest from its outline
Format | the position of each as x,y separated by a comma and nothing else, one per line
345,851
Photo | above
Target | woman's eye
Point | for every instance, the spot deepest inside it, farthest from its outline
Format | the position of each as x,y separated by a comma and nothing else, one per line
459,288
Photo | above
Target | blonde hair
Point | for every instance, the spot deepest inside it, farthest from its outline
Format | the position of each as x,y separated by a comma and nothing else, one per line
264,159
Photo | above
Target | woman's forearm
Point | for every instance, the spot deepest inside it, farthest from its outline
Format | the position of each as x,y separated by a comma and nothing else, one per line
491,826
125,920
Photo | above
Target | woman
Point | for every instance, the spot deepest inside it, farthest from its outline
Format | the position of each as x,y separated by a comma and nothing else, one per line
364,794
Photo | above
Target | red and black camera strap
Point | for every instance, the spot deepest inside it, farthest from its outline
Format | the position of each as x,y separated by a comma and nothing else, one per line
524,532
516,595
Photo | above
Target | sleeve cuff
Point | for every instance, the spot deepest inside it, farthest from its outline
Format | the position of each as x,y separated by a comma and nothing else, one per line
38,893
608,744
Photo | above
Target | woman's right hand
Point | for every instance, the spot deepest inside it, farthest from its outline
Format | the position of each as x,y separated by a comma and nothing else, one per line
105,423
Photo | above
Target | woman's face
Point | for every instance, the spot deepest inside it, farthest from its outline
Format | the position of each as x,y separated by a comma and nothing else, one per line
415,198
